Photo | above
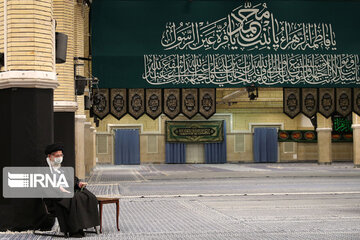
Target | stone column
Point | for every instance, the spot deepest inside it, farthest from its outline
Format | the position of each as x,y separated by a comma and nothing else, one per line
356,139
93,143
27,83
324,128
64,96
88,147
80,116
79,146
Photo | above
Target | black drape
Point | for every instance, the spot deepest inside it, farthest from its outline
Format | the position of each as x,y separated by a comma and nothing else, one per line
26,120
64,132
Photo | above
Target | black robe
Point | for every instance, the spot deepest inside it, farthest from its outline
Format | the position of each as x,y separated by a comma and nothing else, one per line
75,213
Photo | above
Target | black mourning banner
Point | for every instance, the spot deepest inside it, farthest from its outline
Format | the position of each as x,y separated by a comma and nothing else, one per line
207,102
309,101
189,102
171,102
100,102
153,102
136,102
118,102
326,101
343,101
291,101
356,100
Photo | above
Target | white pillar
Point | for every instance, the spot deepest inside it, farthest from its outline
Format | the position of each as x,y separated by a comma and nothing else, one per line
356,140
324,139
93,155
87,147
79,146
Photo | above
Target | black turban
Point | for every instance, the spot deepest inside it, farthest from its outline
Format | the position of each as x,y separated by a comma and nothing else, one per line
54,148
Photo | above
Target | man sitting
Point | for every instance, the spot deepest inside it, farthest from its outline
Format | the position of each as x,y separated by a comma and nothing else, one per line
77,213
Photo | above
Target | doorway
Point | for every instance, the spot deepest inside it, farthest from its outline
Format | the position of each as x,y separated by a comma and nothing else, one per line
265,145
195,153
127,147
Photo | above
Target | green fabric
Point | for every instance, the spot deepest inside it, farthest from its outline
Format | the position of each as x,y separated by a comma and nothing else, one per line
342,125
128,35
297,136
194,131
309,136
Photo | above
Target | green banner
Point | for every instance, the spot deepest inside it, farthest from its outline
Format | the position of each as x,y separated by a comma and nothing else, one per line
194,131
225,43
310,136
342,124
297,136
341,137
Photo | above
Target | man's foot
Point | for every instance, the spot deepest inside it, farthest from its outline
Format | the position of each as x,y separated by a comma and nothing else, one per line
78,234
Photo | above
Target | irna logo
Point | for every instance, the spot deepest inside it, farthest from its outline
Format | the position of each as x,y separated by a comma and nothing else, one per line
38,182
18,180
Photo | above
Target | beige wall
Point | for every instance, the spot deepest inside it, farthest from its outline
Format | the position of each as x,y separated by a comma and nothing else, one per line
239,122
30,35
108,156
79,31
244,155
241,116
307,151
342,151
64,16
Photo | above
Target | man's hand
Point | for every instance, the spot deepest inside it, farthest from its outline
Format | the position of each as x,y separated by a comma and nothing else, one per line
64,190
82,184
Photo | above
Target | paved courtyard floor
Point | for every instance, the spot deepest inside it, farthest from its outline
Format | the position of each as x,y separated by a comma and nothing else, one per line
227,201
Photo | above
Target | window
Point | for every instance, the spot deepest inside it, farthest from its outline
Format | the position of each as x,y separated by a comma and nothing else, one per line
239,143
289,147
102,144
152,144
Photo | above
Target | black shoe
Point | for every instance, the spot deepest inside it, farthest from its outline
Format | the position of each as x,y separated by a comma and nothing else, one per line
78,234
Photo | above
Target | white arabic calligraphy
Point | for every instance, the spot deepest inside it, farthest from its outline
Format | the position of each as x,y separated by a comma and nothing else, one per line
248,28
262,69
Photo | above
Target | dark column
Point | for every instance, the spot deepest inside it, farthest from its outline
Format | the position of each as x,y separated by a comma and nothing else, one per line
26,120
64,131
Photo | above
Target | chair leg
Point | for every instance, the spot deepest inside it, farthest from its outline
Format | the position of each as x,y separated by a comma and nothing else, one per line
100,205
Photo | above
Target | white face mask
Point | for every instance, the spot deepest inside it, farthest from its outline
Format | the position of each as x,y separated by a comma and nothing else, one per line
58,160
